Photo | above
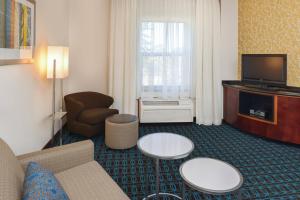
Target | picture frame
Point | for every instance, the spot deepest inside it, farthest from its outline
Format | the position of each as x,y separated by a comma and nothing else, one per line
17,31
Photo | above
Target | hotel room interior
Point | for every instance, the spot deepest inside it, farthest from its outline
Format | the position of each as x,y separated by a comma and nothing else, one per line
149,99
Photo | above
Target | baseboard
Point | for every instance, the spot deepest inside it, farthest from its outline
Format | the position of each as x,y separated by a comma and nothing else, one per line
56,137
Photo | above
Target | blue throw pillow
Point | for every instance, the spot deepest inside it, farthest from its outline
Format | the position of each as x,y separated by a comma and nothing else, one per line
41,184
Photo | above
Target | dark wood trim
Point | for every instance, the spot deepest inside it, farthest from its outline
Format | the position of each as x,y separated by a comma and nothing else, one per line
279,91
284,128
257,119
262,120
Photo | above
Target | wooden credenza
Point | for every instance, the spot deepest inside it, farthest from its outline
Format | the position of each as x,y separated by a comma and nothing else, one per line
281,106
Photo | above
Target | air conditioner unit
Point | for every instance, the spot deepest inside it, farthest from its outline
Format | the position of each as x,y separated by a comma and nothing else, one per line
166,111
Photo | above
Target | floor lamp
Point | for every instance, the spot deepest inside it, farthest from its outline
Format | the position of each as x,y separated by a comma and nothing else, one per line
58,68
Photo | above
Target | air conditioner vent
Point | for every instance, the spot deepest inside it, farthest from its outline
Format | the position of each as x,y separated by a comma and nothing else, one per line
165,111
161,103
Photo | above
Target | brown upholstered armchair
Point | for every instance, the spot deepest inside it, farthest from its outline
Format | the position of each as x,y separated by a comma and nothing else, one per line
87,111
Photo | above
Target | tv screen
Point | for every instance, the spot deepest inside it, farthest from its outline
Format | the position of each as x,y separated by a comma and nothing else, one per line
264,68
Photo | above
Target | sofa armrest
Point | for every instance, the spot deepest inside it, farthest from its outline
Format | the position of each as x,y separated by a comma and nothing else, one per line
61,158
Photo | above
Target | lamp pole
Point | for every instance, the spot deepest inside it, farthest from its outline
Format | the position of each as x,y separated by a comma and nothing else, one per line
53,100
62,94
61,110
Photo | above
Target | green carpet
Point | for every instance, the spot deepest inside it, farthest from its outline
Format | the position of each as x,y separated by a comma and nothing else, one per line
271,169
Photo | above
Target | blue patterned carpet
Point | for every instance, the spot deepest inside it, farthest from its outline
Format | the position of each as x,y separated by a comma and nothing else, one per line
271,170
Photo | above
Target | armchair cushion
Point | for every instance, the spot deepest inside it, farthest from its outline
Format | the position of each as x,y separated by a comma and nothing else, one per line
95,116
41,183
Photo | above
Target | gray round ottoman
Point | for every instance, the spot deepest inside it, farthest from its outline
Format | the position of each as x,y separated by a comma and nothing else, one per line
121,131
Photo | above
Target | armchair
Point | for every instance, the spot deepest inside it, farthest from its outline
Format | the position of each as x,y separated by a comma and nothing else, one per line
87,111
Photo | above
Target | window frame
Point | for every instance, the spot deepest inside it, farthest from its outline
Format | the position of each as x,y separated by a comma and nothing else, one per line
162,54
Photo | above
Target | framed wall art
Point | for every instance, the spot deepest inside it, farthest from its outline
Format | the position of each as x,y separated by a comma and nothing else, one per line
17,31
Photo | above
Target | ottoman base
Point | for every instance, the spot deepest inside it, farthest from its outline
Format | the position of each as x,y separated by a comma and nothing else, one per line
121,131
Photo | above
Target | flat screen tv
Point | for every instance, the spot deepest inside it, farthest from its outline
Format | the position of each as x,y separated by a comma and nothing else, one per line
265,69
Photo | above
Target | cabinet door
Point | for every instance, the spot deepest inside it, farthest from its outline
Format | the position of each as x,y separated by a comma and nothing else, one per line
231,96
288,128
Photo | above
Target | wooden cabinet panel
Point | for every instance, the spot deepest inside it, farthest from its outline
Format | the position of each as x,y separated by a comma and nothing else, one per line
288,119
231,96
286,128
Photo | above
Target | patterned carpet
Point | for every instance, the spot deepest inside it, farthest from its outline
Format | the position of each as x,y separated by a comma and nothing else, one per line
271,170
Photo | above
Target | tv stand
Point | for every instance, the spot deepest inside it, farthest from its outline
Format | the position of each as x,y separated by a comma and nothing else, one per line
270,112
265,87
258,106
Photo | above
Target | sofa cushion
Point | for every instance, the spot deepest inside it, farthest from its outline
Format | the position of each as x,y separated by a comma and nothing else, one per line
11,174
90,181
95,116
41,183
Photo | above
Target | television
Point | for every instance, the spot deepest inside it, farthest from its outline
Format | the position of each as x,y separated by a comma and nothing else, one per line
264,69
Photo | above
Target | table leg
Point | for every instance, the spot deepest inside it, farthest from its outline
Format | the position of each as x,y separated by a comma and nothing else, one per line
157,179
183,190
60,132
239,194
148,187
157,185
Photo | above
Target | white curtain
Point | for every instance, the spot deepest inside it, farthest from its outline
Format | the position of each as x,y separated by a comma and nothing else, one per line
164,50
122,65
207,62
174,46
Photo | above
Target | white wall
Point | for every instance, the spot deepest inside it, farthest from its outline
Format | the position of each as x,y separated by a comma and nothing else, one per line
88,36
229,28
24,92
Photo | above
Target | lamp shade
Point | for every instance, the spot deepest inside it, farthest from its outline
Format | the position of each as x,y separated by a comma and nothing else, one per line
60,56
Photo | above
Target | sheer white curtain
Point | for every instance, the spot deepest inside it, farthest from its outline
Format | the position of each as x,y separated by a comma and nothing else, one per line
165,48
207,62
174,47
122,61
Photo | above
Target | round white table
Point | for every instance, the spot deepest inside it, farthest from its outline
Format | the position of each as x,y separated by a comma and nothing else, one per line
211,176
164,146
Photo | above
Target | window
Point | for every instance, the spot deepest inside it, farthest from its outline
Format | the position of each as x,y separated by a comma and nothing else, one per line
165,59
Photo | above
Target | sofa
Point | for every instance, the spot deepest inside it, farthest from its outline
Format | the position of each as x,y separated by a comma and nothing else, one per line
73,165
87,111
